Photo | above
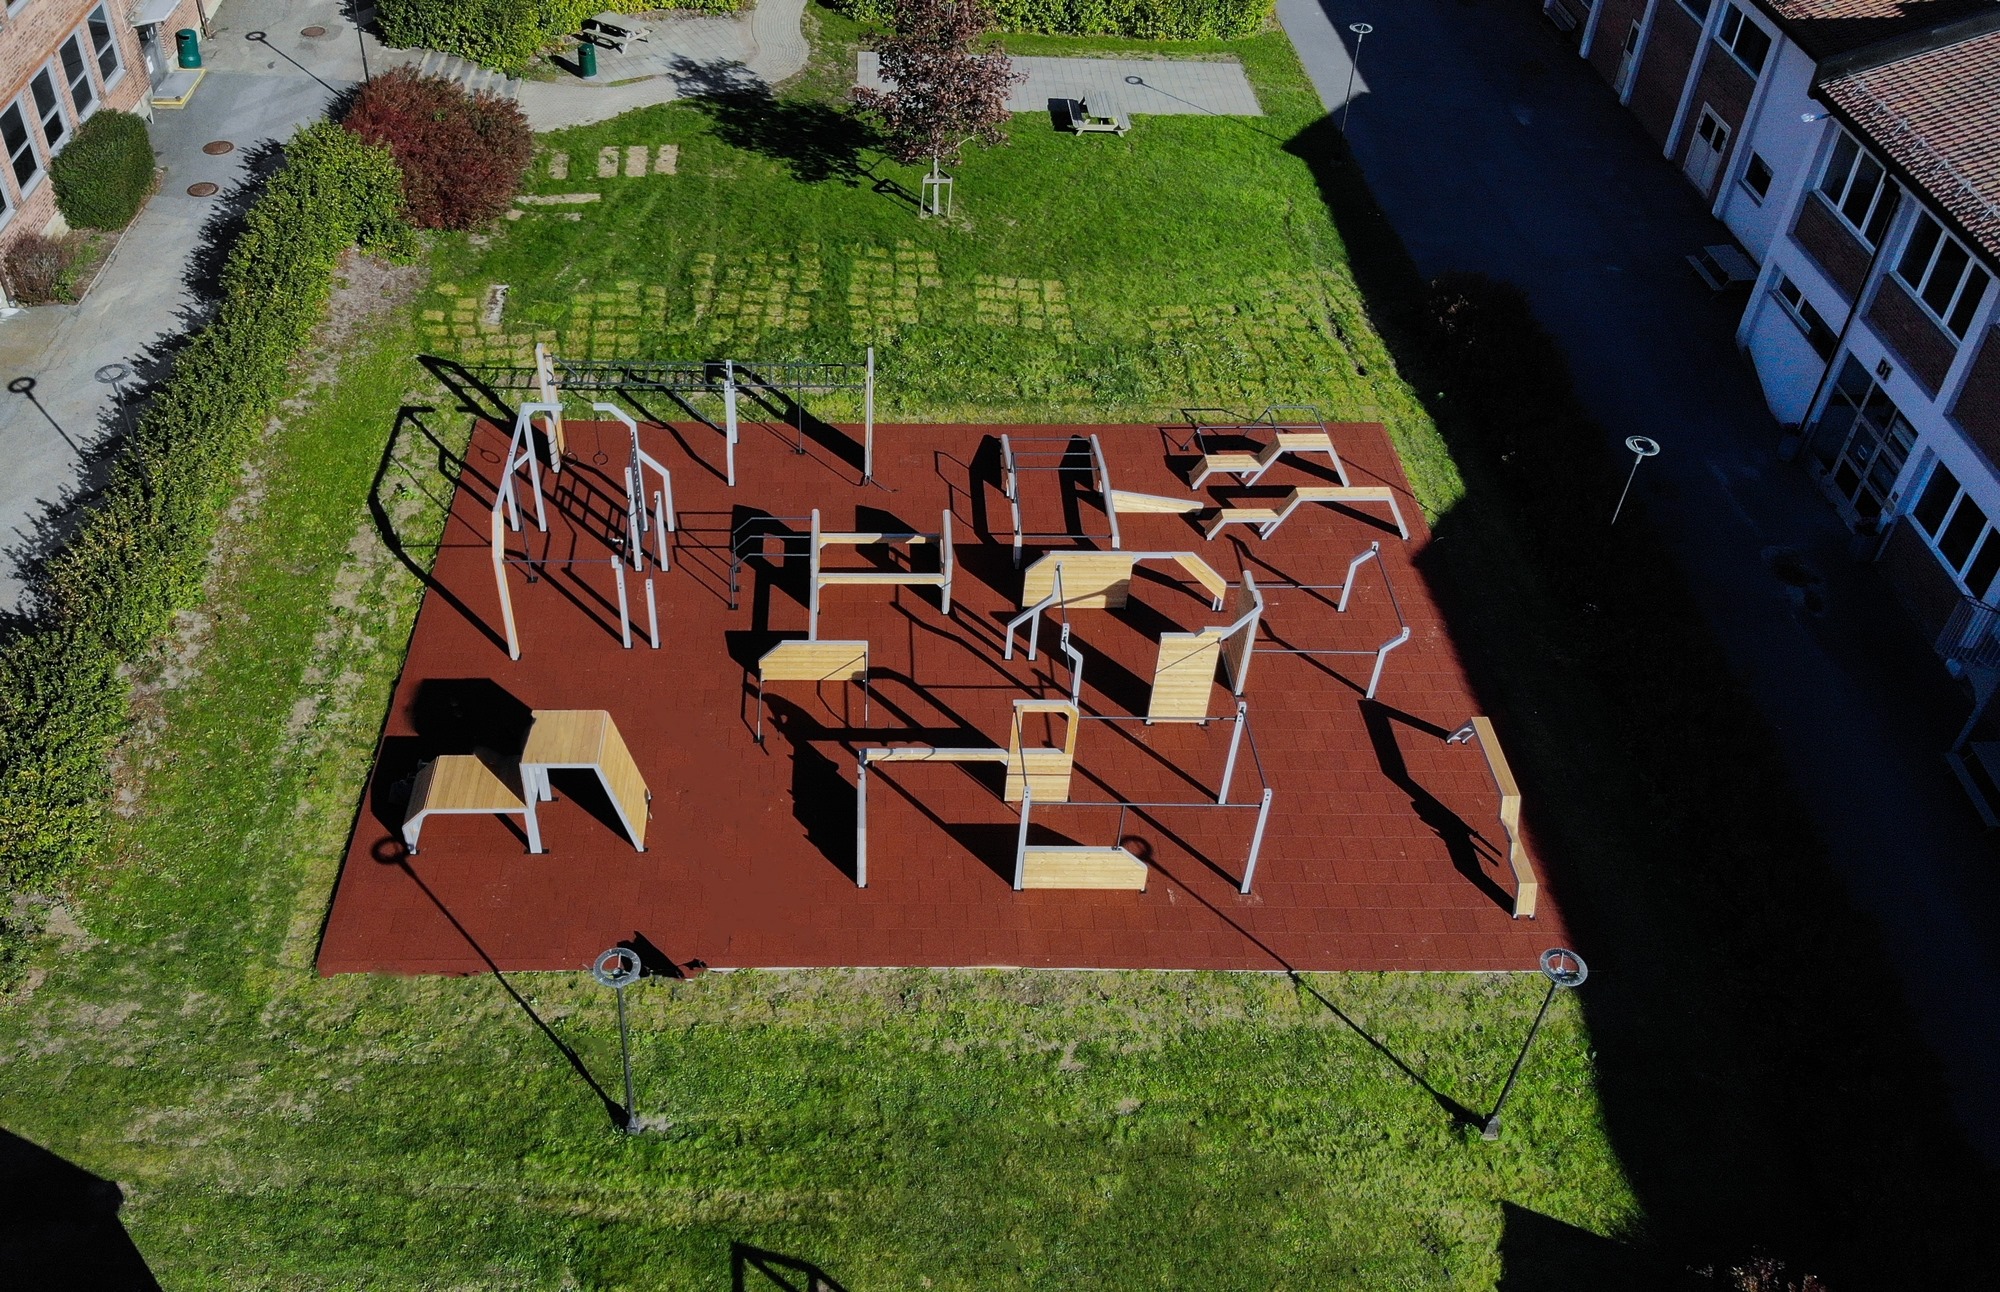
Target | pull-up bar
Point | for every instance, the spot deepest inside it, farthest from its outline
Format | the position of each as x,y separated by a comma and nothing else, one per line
1017,456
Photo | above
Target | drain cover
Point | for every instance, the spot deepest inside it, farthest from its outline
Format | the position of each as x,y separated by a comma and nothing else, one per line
218,148
313,31
203,189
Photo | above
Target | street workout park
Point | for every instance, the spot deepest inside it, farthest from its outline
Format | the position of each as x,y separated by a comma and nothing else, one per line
756,689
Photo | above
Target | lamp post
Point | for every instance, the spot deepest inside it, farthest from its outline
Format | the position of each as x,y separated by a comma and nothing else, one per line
1565,971
618,969
114,375
1360,30
1642,448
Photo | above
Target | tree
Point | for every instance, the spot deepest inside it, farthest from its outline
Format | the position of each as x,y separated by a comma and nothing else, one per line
941,95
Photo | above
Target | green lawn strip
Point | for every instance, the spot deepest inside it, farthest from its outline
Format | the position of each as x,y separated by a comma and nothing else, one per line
976,1129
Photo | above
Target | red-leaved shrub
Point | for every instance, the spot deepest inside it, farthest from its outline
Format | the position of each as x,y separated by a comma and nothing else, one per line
462,155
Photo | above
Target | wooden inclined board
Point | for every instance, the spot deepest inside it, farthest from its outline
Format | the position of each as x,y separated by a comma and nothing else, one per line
814,661
1044,866
587,738
1184,676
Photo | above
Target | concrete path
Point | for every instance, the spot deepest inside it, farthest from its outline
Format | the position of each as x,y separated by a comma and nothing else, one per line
1156,86
258,92
1491,147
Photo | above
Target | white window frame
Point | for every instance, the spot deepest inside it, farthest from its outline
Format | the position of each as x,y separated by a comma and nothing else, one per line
1880,208
1964,298
21,105
1698,9
1727,35
105,79
1986,536
1756,159
81,40
1792,300
59,108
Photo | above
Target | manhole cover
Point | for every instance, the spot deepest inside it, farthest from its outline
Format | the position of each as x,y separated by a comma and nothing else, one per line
313,31
203,189
218,148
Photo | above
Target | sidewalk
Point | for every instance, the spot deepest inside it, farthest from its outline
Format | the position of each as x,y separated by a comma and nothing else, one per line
1492,147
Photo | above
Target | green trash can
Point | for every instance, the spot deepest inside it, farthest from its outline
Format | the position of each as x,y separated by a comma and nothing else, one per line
188,45
586,60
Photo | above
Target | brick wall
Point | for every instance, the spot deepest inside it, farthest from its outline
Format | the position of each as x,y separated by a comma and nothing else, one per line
1826,238
1725,85
1926,589
28,42
1663,72
1608,45
1926,349
1977,411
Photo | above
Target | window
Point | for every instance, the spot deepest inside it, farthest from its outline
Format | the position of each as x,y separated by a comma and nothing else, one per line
20,146
77,73
109,65
1860,444
1699,8
1743,38
1959,531
1937,267
1856,186
48,109
1757,177
1810,321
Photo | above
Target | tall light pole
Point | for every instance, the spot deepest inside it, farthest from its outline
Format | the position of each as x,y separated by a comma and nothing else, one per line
618,969
1642,448
1565,971
1360,30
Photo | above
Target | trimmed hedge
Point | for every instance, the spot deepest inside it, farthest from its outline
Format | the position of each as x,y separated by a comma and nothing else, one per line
505,34
142,550
104,175
1145,19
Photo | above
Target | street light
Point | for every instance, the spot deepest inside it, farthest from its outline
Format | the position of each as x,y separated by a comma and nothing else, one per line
1360,30
1642,448
618,969
1565,971
114,375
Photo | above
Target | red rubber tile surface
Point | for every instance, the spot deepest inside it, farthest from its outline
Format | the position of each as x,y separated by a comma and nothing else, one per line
1383,849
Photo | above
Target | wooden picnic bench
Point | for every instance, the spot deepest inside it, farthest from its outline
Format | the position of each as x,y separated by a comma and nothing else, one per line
1109,119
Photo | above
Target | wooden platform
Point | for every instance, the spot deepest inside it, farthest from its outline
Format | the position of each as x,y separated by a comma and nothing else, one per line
1385,848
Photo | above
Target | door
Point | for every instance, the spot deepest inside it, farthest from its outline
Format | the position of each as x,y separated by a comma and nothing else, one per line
1628,62
156,62
1705,150
1860,446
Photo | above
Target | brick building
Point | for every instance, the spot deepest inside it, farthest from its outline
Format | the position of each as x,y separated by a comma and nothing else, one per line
1853,149
61,61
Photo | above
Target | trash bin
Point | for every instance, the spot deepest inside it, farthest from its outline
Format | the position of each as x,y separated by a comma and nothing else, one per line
188,45
586,60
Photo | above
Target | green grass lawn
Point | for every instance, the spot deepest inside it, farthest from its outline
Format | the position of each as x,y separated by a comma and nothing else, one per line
899,1129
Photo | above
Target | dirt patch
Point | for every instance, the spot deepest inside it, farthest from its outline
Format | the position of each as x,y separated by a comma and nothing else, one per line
364,290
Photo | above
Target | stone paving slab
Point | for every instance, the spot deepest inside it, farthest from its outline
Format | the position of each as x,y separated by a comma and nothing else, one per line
1155,86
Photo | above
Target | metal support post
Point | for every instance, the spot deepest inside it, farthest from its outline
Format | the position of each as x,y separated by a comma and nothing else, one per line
1235,741
729,416
624,613
1021,839
1256,841
652,614
868,420
860,821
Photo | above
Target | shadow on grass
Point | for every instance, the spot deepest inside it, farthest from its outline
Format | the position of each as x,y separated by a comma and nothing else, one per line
1762,1081
815,141
752,1269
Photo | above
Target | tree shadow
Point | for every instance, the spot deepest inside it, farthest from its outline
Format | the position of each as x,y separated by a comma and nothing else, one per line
815,141
59,1225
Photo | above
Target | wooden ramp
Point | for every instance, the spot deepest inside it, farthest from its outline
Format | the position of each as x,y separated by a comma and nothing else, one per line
463,784
587,739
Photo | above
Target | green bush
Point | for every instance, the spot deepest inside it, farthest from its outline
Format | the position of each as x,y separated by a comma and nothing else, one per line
142,550
105,173
505,34
1145,19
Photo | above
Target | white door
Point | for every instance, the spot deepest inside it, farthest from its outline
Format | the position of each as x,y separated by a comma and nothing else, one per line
1704,157
1628,60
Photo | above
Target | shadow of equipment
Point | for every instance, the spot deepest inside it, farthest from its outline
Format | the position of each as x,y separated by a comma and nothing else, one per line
59,1225
752,1269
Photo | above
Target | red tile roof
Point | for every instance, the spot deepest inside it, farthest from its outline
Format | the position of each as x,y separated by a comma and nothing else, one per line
1937,116
1824,28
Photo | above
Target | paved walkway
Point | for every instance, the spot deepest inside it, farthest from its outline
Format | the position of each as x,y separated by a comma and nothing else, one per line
1491,147
257,92
1158,86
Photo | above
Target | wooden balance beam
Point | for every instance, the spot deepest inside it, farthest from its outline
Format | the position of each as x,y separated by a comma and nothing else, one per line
587,739
1103,580
1267,519
1051,866
463,784
1527,889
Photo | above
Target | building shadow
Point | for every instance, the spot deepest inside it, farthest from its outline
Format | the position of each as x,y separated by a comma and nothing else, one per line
1461,841
1539,1253
59,1225
753,1269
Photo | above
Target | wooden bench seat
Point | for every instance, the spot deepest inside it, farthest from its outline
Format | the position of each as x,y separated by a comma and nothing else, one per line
1053,866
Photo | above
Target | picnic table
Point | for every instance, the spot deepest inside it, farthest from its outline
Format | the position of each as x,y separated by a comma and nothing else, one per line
1106,118
1723,266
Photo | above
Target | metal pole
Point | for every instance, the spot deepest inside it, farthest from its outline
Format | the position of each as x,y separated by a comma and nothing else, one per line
1642,448
1565,970
652,614
1360,30
1021,840
860,821
729,414
1256,841
618,969
1235,740
625,1054
868,424
624,611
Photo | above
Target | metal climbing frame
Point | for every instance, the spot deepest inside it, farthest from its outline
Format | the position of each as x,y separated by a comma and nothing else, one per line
1018,455
1032,616
793,378
1346,589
